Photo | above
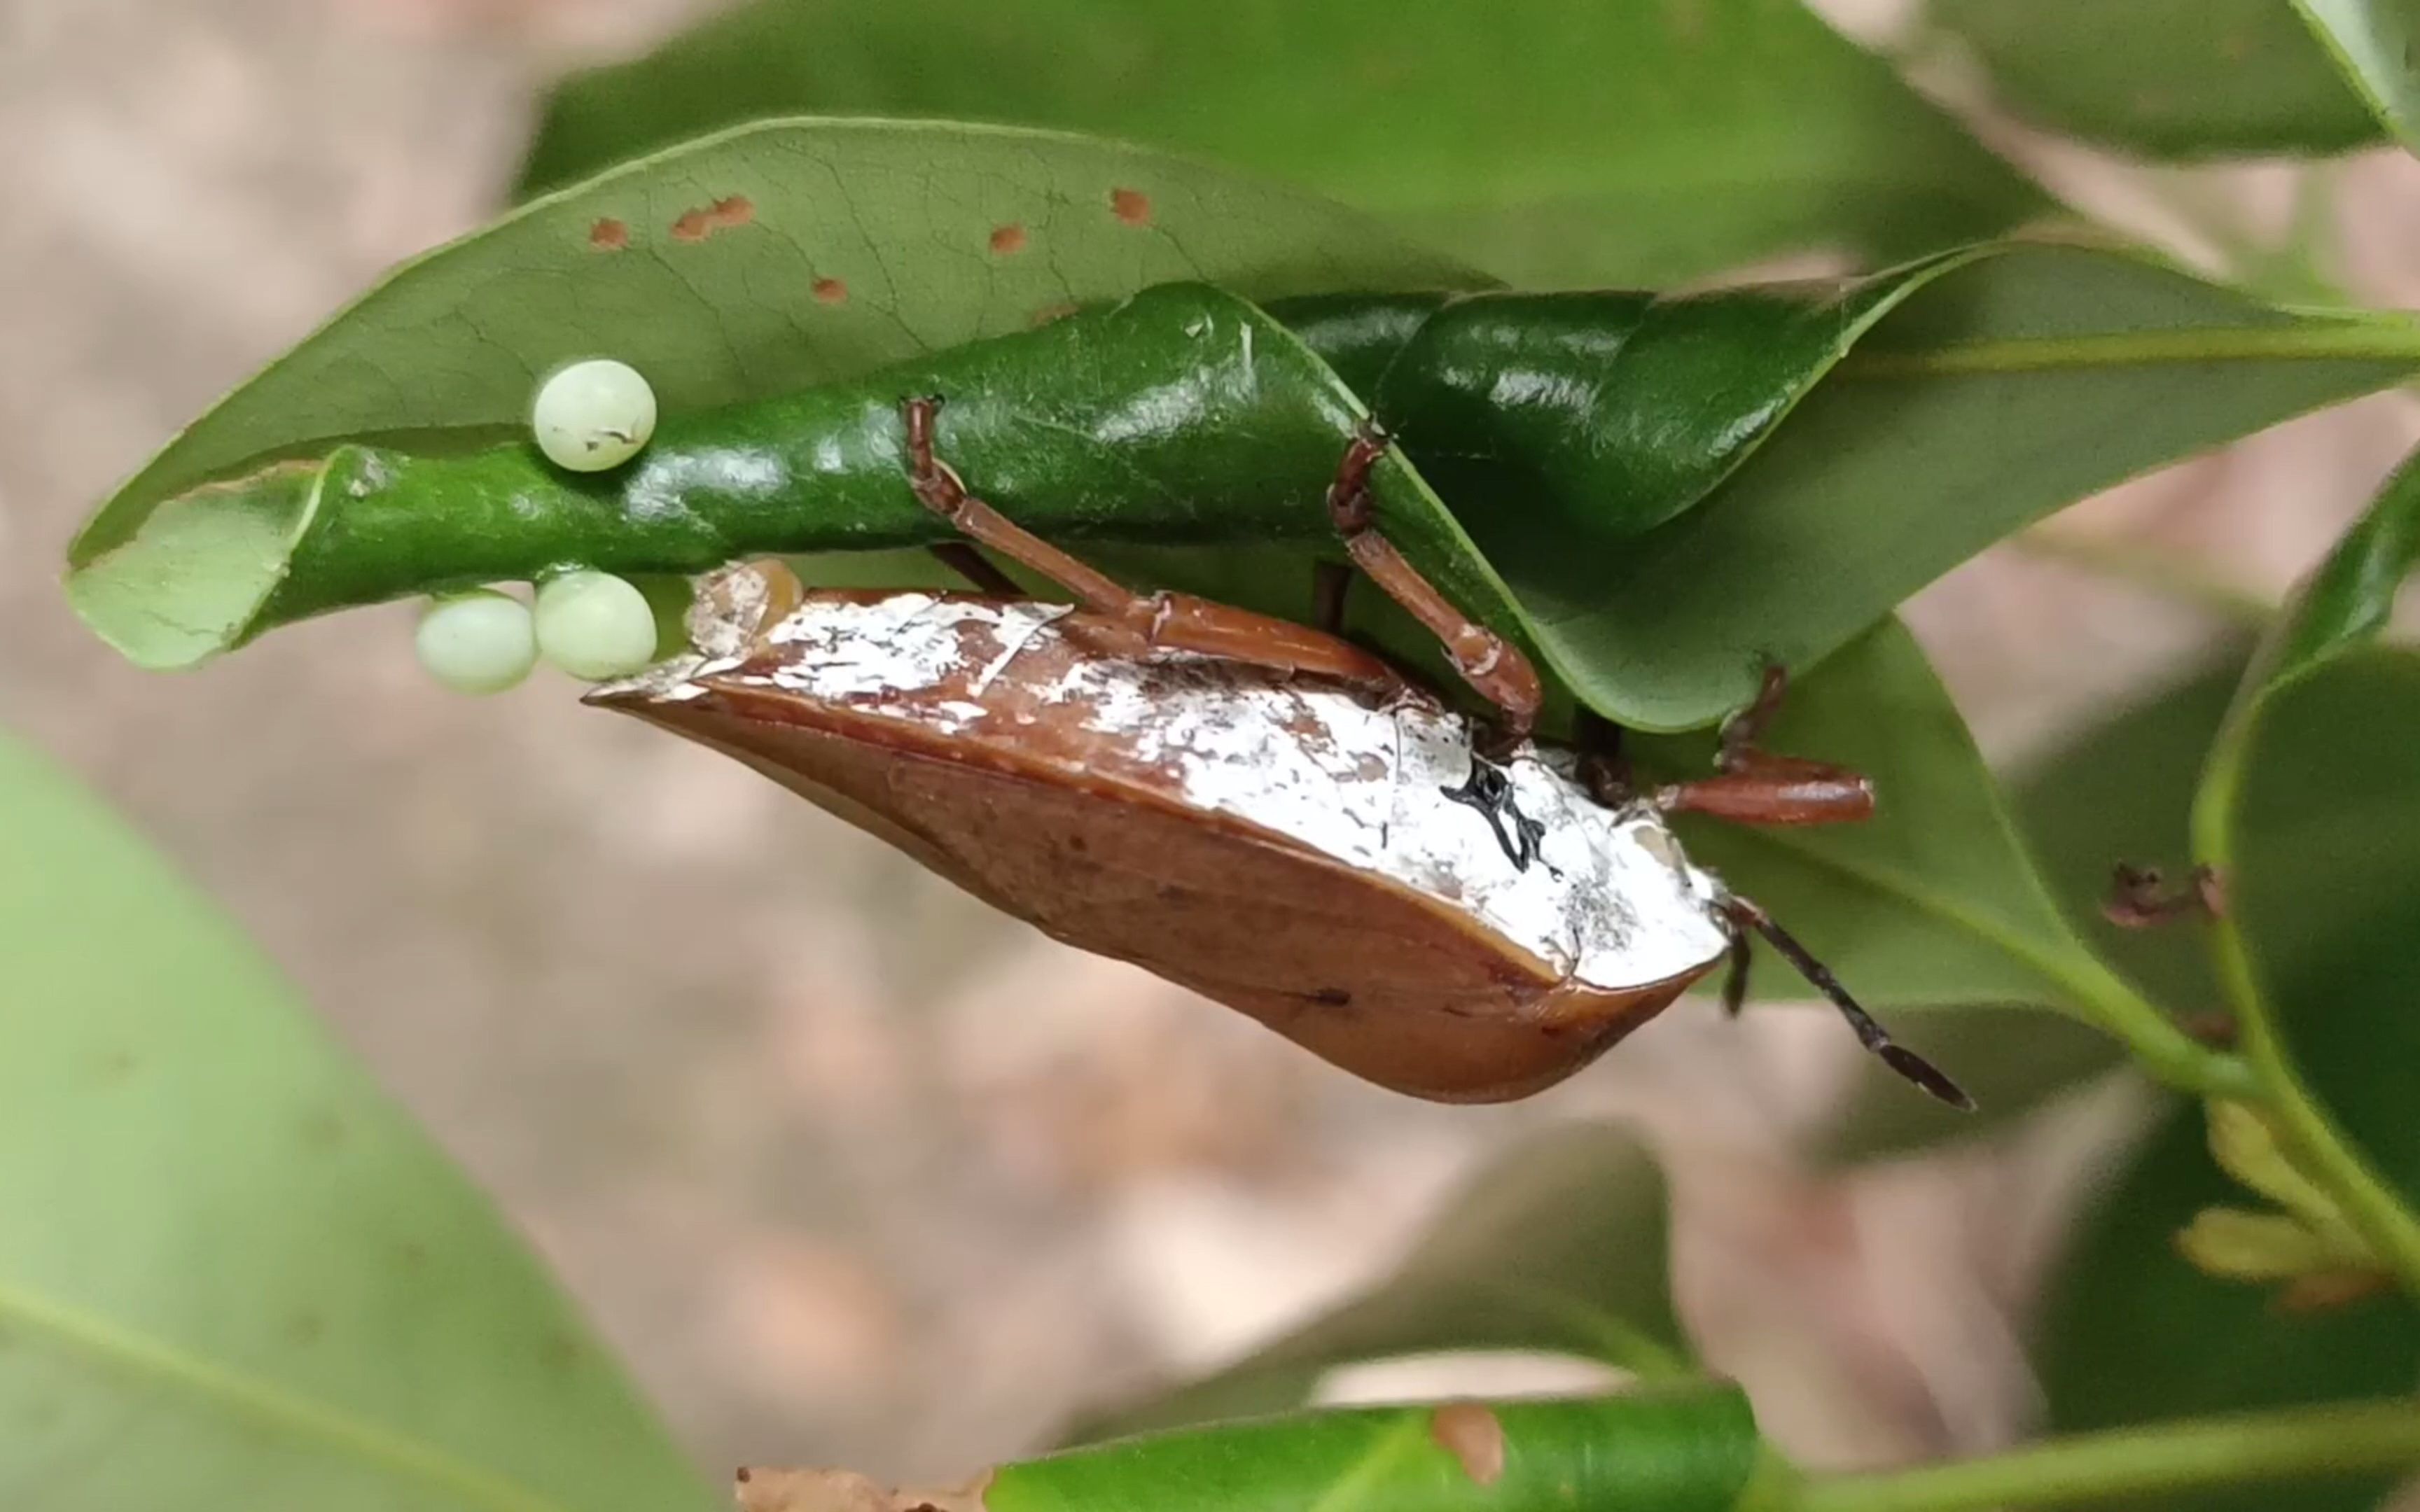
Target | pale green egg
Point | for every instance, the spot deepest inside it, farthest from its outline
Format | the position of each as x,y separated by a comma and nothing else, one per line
595,625
476,642
593,415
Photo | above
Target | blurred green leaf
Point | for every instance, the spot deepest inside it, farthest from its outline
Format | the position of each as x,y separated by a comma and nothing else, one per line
2328,889
2374,43
2166,78
232,1274
1560,1244
1675,1448
1555,143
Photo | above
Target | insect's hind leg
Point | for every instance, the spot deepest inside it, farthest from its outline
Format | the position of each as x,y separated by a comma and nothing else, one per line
1140,622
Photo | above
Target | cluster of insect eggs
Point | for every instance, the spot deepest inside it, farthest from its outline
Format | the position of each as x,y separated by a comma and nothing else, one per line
587,416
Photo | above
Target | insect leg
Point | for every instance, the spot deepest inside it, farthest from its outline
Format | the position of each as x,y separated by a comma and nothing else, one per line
1138,622
1743,915
1754,786
1493,666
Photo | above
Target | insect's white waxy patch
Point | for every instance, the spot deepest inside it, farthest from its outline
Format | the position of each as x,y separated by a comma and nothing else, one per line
1609,898
594,415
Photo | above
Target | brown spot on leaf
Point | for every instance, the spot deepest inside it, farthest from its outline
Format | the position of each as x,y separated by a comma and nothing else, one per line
1132,206
1051,312
726,214
1008,238
307,1328
609,234
1473,1435
830,291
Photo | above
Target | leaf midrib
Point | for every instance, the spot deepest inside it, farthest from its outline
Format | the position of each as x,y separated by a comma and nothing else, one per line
269,1405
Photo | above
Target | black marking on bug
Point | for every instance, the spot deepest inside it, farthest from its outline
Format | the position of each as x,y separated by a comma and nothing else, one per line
1490,792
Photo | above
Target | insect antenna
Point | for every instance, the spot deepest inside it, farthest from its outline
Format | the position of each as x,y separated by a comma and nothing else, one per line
1744,915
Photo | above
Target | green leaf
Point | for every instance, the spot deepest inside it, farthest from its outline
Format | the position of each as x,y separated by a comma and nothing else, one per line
2131,1333
2374,42
2000,388
1562,1245
232,1274
2348,597
1553,142
2327,889
1676,1448
2166,78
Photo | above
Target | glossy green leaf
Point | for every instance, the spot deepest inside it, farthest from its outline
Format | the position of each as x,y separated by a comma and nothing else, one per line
232,1274
2377,45
1553,142
2000,388
1675,1448
1563,1244
2166,78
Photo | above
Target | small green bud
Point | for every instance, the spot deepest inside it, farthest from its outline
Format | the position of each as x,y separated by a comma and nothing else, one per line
2246,1148
2241,1245
595,625
476,642
594,415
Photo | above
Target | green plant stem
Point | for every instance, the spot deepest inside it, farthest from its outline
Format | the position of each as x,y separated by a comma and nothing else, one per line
2165,1053
2310,1139
2339,1438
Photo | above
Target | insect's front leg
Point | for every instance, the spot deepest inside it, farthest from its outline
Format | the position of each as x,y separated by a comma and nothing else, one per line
1138,623
1753,786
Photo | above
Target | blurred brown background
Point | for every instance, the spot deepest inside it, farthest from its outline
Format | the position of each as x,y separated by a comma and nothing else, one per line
848,1167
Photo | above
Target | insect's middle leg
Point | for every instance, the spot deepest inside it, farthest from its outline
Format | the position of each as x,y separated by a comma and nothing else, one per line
1138,623
1753,786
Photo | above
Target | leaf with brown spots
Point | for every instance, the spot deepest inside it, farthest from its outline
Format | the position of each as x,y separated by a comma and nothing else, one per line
855,254
1639,143
232,1273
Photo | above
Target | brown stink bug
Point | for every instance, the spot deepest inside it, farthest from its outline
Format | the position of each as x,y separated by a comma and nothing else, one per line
1254,809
